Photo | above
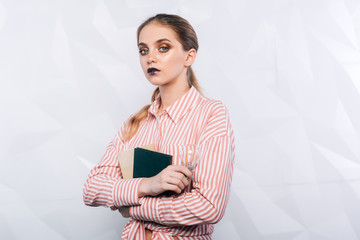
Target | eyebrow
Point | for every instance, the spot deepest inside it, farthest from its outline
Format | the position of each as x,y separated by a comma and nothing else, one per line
158,41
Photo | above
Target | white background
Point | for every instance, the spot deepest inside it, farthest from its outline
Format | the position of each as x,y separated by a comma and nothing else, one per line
288,71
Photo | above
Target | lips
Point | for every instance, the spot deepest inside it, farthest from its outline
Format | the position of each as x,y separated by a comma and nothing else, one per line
153,71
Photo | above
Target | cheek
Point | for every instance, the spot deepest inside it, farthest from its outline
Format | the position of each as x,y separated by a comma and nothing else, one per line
174,61
143,62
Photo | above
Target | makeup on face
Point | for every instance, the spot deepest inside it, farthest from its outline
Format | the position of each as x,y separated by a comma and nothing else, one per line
152,71
161,55
161,46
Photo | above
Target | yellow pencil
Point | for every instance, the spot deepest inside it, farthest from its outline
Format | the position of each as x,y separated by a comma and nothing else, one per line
190,152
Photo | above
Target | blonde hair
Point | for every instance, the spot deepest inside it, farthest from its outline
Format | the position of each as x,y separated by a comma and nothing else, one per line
188,39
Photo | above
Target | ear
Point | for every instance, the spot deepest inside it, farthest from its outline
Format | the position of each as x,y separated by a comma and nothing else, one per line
190,57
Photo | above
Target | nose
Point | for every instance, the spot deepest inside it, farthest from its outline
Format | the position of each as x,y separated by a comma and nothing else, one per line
151,57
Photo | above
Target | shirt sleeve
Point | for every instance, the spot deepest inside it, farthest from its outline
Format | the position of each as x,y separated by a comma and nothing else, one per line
207,200
105,185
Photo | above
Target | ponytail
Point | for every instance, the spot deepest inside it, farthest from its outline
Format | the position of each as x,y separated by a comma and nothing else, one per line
192,80
135,120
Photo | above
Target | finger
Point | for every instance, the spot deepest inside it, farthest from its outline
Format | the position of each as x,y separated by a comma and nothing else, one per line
185,180
172,187
182,169
176,174
181,176
176,181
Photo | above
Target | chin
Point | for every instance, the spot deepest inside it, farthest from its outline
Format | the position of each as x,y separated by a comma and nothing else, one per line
156,82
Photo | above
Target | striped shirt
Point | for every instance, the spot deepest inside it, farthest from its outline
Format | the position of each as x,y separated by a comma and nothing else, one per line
192,119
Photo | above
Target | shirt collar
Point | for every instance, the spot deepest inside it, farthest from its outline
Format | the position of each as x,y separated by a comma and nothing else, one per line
180,107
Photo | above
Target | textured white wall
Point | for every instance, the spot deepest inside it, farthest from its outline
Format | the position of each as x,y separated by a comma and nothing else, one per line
288,70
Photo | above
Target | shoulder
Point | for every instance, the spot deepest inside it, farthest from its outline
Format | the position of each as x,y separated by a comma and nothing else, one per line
216,116
213,108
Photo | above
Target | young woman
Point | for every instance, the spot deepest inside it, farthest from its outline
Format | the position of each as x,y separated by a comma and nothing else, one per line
178,116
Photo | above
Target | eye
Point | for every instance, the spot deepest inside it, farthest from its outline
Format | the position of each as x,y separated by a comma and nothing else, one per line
143,51
164,48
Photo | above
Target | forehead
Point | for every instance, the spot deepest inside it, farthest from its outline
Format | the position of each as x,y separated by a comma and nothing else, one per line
155,31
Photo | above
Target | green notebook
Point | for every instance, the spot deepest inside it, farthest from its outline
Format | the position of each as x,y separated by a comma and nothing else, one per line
148,163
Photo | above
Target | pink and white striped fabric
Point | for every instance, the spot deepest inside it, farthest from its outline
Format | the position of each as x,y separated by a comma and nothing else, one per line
192,119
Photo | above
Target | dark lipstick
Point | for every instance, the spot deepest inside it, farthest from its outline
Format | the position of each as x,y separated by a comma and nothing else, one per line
153,71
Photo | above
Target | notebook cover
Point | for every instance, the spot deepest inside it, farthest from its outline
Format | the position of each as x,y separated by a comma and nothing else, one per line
149,163
126,160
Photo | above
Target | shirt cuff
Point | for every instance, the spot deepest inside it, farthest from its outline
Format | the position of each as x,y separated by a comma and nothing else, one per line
126,192
165,211
147,211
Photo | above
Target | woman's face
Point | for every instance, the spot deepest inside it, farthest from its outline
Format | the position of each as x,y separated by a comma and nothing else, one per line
162,57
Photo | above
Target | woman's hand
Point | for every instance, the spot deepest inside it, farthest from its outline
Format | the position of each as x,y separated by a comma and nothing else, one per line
173,178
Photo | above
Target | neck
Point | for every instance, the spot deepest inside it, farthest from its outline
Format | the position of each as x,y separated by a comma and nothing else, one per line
169,94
